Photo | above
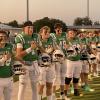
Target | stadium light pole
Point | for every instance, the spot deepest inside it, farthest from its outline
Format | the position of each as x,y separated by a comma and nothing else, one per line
27,10
88,4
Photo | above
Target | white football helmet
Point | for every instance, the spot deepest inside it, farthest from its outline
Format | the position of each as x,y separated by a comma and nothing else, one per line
45,60
92,59
58,56
77,48
70,52
84,55
17,68
98,47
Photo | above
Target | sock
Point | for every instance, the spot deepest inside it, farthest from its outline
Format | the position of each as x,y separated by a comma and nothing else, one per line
82,84
63,96
49,97
40,97
76,92
62,93
53,96
65,92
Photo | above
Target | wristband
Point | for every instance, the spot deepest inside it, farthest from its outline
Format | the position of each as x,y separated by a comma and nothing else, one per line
28,50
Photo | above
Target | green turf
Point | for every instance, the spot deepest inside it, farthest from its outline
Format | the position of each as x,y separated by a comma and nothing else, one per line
15,78
95,84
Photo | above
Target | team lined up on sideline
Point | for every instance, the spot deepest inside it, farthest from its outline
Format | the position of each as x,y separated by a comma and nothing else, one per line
48,59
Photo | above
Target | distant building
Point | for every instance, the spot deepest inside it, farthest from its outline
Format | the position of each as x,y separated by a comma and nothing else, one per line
12,31
85,28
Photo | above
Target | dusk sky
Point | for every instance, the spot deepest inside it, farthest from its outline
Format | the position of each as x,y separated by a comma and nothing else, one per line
66,10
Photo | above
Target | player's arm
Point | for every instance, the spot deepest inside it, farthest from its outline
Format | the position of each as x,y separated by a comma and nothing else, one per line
39,45
19,47
20,52
2,61
55,45
4,58
67,44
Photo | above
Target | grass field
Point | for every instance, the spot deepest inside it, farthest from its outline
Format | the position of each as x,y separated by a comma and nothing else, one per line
95,84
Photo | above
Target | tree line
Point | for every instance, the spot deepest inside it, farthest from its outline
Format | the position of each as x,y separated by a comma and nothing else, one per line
79,21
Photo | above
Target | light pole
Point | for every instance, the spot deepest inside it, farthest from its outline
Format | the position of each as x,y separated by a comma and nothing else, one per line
27,10
88,8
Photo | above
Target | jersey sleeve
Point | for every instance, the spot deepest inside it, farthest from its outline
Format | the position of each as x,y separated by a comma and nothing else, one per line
17,40
55,45
53,36
39,41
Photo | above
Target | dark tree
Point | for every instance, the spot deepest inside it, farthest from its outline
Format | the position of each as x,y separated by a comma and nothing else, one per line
82,21
96,23
87,21
47,22
13,23
78,21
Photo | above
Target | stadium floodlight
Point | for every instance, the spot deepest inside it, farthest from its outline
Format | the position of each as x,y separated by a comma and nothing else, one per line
82,30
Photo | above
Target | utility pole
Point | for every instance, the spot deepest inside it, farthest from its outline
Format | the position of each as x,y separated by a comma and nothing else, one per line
27,10
88,6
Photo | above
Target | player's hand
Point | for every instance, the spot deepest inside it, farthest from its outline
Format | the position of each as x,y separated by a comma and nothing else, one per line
66,46
7,56
33,45
23,70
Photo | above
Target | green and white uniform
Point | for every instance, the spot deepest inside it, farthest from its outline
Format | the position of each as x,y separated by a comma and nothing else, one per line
84,47
74,64
98,39
49,44
24,41
75,56
6,67
6,72
60,40
92,39
60,68
48,74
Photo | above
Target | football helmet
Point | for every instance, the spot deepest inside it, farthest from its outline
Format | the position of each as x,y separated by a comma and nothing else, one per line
84,56
18,69
58,56
98,47
70,52
92,58
77,48
44,60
